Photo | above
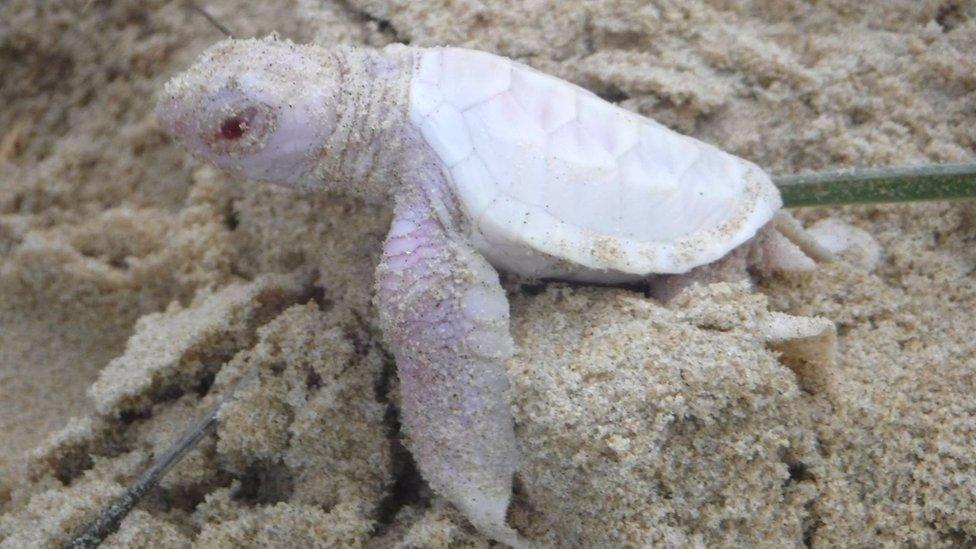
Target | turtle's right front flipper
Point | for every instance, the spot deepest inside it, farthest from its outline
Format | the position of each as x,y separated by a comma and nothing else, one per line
445,317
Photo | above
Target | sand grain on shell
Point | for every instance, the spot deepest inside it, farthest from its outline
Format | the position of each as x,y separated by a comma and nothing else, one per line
684,422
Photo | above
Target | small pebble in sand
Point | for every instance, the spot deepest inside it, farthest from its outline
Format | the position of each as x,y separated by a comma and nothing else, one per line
847,241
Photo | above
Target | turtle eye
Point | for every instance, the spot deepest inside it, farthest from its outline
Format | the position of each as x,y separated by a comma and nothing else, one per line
236,126
233,127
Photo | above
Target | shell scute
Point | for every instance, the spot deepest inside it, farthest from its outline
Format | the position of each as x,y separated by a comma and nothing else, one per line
666,150
470,77
445,131
544,100
429,67
509,144
615,129
424,99
478,196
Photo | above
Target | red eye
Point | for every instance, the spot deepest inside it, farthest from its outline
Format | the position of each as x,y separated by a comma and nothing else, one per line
233,127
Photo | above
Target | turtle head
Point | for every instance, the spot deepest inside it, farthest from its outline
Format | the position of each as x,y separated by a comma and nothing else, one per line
261,109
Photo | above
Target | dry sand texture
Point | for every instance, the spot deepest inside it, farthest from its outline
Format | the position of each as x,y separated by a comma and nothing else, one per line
127,268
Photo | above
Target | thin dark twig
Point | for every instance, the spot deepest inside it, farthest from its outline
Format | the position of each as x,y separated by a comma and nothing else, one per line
107,522
197,8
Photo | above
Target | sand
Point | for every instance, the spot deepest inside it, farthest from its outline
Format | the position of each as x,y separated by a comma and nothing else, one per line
137,286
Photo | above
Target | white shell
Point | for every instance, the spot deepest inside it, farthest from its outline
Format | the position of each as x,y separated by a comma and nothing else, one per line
545,169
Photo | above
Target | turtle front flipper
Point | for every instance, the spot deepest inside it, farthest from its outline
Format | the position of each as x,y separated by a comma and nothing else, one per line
445,317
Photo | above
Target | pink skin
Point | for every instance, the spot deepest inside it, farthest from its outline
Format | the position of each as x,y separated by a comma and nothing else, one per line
445,316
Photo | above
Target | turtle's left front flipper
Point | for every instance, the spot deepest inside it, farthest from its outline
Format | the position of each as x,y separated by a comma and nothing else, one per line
445,317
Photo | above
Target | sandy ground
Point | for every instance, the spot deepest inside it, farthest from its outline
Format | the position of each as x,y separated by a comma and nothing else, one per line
136,287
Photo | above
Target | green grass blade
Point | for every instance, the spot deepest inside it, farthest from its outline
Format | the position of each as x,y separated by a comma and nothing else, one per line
879,185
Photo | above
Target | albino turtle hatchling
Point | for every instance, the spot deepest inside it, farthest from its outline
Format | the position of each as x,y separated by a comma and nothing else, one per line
488,164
